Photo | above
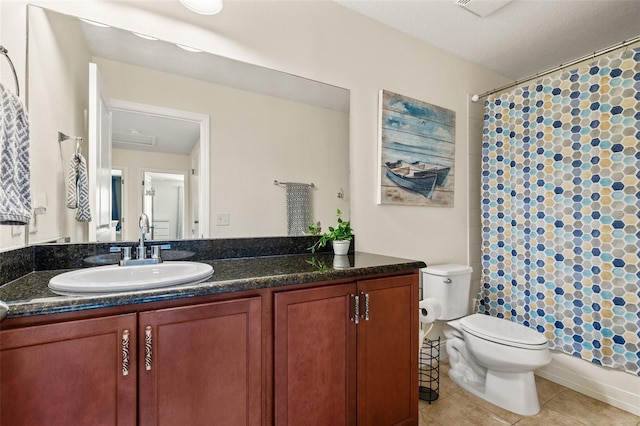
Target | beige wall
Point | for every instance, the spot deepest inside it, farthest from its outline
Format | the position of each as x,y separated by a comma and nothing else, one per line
58,107
58,73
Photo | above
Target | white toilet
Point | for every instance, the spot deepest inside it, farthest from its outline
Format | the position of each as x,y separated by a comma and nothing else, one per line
490,357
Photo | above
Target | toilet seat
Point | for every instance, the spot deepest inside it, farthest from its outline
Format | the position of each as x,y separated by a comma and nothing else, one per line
503,332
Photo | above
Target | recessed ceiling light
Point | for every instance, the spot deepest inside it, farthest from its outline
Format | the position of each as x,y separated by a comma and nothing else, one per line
203,7
188,48
94,23
144,36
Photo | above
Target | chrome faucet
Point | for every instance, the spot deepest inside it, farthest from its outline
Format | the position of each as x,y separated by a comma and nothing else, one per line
141,252
143,225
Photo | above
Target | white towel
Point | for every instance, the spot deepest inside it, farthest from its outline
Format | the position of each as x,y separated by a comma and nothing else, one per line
78,188
15,184
297,208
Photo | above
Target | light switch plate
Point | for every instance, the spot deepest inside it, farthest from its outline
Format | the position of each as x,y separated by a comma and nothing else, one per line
222,219
16,230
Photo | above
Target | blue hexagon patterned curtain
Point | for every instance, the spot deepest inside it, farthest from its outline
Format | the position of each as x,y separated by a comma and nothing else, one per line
560,209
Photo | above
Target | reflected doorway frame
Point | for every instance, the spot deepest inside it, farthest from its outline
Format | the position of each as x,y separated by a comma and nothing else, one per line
203,120
124,174
186,189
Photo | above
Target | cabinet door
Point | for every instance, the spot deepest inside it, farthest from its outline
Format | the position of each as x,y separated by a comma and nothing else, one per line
71,373
315,357
202,364
388,351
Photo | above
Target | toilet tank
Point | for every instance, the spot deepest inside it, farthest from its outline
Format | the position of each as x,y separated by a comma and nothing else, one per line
449,284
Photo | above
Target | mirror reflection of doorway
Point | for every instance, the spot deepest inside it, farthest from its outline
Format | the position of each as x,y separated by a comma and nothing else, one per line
117,201
163,202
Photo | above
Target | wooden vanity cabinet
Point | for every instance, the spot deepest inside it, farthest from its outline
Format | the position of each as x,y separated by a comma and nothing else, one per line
71,373
388,352
333,370
326,354
192,365
202,364
315,362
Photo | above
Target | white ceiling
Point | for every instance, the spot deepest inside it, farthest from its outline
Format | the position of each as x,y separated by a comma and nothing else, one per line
520,39
147,132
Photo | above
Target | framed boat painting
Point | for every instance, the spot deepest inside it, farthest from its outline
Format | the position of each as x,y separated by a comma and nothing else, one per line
417,150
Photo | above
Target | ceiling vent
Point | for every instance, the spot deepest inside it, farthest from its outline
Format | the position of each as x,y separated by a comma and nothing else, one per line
133,139
482,8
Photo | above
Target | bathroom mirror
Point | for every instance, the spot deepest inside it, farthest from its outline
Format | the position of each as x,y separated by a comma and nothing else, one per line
231,129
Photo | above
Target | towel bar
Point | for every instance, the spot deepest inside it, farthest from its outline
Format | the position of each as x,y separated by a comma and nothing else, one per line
310,185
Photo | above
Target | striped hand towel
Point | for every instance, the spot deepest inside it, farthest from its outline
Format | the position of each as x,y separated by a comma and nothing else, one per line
15,184
298,208
78,188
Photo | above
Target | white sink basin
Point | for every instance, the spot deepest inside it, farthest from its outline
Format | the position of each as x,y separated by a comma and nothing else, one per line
115,278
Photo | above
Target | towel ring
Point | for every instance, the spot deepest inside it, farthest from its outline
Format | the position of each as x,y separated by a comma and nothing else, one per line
78,144
5,53
62,137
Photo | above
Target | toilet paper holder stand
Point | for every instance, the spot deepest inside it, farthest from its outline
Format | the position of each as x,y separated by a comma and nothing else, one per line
429,370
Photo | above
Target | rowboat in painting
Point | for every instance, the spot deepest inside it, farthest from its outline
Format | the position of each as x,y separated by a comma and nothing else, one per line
441,171
417,176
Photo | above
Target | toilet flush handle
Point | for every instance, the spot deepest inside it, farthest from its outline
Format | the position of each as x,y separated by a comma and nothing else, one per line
447,281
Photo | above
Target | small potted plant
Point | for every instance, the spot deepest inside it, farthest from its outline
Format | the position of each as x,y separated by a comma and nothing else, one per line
340,237
315,228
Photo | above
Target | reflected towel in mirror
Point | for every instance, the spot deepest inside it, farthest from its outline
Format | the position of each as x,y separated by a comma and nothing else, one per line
298,208
78,188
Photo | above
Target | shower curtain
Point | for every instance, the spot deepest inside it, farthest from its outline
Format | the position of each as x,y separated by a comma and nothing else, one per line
560,209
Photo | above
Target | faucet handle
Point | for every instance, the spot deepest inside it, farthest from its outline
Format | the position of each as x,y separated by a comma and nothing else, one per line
125,253
140,252
156,252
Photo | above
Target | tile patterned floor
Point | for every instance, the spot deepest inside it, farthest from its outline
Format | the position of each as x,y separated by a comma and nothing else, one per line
559,406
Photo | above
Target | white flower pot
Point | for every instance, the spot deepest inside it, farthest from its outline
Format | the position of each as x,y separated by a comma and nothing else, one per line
341,261
341,247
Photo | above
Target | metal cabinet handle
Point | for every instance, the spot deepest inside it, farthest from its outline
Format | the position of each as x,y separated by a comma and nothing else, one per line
356,307
366,306
147,348
125,353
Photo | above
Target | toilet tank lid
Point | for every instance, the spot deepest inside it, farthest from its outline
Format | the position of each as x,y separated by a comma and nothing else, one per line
502,330
447,270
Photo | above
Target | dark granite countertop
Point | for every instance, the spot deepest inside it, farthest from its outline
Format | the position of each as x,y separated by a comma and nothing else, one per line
29,295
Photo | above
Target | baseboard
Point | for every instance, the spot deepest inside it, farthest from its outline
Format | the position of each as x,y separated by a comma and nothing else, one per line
613,387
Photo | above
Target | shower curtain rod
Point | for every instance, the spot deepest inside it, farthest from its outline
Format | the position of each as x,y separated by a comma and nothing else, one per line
595,54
